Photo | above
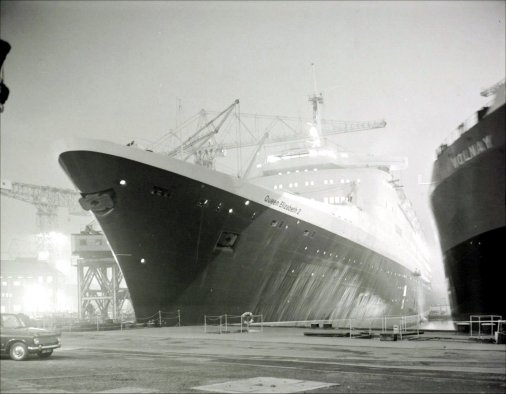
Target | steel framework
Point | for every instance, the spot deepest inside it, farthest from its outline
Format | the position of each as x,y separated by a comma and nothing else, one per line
101,293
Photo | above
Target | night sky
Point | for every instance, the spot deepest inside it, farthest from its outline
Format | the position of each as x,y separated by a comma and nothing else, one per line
117,71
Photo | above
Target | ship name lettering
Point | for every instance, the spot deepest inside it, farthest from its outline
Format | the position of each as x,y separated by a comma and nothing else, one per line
472,151
269,200
283,205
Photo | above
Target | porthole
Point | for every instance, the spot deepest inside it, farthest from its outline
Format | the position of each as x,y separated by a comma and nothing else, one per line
203,203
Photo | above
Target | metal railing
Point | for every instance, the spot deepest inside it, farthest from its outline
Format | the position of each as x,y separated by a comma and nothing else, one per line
239,323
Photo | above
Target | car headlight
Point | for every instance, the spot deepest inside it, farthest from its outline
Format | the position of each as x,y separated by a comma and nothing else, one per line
36,341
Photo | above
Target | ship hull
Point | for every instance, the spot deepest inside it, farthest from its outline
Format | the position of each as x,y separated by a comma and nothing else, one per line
184,243
468,202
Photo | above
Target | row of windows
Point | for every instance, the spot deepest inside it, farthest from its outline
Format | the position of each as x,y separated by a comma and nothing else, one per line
337,199
325,181
297,171
40,279
312,183
16,308
276,223
280,224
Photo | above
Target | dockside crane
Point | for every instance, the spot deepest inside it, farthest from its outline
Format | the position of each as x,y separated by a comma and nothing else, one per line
255,130
46,200
100,289
278,129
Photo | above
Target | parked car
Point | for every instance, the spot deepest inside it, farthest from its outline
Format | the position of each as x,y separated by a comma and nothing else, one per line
18,340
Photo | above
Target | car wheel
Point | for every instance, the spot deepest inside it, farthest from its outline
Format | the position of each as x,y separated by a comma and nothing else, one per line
45,355
18,351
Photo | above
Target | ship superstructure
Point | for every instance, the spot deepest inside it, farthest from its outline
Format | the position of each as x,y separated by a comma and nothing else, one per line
468,201
306,231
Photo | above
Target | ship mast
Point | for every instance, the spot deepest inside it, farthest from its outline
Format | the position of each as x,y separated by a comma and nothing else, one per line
315,99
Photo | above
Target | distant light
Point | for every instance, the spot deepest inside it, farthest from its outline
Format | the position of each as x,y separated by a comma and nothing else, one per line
123,182
259,165
143,261
37,299
230,210
313,132
43,255
246,202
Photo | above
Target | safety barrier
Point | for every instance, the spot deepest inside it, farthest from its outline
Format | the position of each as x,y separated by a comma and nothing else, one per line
224,324
162,319
481,326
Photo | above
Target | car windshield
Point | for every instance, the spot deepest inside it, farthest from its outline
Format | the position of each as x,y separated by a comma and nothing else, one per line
12,321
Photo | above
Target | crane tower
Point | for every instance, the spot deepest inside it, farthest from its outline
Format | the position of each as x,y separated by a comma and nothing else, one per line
100,290
46,200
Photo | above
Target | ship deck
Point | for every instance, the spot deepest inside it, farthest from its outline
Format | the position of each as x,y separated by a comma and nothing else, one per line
186,359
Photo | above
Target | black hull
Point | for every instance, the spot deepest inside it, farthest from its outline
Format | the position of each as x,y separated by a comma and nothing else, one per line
179,247
476,277
468,202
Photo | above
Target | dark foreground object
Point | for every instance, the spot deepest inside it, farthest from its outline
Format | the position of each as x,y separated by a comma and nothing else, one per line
181,359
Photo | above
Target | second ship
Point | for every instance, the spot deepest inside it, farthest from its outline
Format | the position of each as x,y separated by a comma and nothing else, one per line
308,232
468,201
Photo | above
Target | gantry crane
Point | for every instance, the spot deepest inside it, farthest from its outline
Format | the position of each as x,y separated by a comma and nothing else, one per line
274,129
202,145
46,200
100,291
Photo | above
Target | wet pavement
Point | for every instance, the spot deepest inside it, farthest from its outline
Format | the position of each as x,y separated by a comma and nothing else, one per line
186,359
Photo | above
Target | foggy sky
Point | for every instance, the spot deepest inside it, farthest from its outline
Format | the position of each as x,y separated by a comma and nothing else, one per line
115,70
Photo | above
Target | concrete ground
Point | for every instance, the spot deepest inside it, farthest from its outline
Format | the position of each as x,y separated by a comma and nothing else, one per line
186,359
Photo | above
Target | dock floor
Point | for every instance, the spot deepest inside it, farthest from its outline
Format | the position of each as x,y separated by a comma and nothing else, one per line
186,359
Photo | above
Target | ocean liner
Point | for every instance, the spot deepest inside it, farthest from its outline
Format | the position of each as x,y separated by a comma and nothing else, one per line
468,202
307,231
